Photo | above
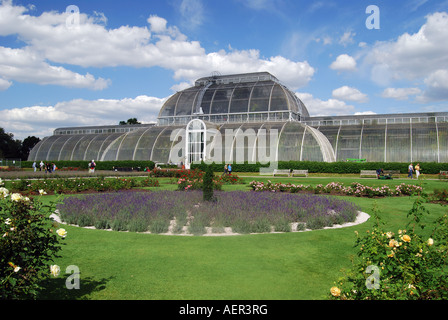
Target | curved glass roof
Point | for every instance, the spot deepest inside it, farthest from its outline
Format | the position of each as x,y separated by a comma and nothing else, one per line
245,94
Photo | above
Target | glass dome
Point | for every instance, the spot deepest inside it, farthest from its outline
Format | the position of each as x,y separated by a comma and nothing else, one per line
251,97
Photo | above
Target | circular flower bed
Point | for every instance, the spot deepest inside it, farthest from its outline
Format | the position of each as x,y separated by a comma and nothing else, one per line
185,212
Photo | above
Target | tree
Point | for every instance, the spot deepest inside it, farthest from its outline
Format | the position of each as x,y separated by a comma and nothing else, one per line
129,121
9,148
28,144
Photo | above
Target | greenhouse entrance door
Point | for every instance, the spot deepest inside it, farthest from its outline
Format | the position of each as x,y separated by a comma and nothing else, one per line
195,142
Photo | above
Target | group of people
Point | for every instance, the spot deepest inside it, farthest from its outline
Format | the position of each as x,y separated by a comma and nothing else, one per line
227,169
411,170
47,167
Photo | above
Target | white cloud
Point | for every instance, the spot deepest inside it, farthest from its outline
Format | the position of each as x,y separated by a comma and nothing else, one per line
344,62
318,107
25,65
400,93
437,87
347,93
347,38
90,44
42,120
413,56
4,84
362,113
192,12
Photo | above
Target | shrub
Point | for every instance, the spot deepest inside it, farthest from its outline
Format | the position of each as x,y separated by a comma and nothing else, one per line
207,186
260,225
138,225
28,244
398,265
159,225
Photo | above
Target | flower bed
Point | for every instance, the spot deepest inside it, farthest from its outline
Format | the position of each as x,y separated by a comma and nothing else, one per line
355,189
244,212
66,185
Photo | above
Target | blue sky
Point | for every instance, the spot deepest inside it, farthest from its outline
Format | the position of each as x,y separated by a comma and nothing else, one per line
123,59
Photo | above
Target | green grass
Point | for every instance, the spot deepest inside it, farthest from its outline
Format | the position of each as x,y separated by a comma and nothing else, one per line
287,266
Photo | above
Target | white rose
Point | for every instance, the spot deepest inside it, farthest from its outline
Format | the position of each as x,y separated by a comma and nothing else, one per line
16,197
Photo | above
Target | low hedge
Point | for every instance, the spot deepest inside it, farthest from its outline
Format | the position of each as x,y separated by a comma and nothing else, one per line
100,165
332,167
312,166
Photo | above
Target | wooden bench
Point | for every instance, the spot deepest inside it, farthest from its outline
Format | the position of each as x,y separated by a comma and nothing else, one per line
282,172
299,173
368,173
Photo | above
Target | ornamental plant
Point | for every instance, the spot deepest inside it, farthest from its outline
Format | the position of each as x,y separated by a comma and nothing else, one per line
29,242
398,265
207,186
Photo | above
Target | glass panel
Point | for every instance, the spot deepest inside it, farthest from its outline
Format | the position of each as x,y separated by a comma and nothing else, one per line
442,129
240,99
398,143
146,142
98,145
110,154
268,142
53,152
163,144
349,142
373,143
45,147
128,145
221,101
331,132
34,153
424,142
67,148
206,100
259,100
311,150
169,106
290,142
187,103
278,99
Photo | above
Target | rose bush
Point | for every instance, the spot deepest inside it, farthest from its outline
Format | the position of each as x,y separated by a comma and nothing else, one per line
29,242
355,189
401,265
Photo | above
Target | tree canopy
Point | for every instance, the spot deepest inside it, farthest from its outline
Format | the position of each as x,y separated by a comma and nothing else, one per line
129,121
11,148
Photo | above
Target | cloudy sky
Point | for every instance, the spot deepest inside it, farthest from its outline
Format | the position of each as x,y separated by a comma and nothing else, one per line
116,60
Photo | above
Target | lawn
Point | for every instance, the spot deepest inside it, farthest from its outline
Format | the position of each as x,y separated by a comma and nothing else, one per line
286,266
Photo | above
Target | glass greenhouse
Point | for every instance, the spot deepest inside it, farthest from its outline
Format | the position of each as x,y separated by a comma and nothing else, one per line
251,117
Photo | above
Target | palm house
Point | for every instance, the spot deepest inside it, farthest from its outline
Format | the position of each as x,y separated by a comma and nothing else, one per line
248,118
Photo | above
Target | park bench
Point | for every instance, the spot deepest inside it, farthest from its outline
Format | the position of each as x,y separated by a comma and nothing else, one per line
368,173
282,172
299,173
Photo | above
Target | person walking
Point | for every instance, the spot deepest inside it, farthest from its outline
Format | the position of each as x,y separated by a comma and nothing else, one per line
226,170
417,170
92,166
229,168
410,170
34,166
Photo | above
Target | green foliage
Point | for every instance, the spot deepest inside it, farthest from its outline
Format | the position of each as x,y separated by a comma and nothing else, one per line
29,242
207,186
401,265
340,167
100,165
69,185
